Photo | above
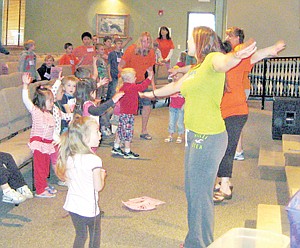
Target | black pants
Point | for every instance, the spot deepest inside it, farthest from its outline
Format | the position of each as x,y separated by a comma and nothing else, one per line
9,172
81,224
234,126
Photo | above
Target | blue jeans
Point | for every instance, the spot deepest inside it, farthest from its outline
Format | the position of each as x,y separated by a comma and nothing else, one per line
176,117
203,154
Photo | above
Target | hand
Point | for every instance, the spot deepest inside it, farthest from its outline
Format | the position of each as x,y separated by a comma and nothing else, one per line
102,81
26,78
150,73
245,50
60,77
277,47
118,96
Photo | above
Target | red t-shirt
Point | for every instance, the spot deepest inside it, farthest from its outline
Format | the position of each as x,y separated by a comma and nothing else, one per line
234,100
138,62
165,46
69,59
87,52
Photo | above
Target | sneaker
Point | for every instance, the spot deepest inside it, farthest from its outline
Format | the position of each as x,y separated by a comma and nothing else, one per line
13,197
239,156
117,151
62,183
25,191
45,194
169,139
178,140
131,155
51,189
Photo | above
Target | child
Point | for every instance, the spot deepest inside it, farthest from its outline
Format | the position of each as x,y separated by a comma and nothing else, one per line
15,189
83,171
86,100
114,58
176,113
108,47
69,58
182,59
27,62
45,69
86,51
41,136
128,108
68,100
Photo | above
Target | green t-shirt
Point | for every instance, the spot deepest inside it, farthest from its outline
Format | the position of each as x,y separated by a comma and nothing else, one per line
203,91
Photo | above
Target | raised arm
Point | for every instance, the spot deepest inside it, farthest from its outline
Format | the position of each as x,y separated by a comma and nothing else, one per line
270,51
26,79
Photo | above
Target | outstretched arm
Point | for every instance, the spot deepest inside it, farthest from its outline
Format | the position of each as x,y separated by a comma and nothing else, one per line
270,51
224,62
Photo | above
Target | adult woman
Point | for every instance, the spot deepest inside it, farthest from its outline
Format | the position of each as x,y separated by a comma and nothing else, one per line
206,137
165,45
234,106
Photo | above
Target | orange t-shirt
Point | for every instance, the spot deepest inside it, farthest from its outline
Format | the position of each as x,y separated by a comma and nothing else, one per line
138,62
234,100
85,51
69,59
165,46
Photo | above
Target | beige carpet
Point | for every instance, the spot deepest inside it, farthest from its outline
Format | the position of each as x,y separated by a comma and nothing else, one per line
158,174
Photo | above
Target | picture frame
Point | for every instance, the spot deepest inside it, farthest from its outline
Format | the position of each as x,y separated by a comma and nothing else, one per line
107,25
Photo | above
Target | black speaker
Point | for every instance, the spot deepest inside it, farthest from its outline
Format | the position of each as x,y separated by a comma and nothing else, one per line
286,117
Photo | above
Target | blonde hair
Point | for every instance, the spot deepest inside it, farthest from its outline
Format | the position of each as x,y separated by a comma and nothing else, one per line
206,41
49,57
127,75
139,48
74,141
67,79
28,44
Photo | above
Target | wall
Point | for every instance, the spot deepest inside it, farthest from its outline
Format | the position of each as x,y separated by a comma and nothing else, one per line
268,21
52,23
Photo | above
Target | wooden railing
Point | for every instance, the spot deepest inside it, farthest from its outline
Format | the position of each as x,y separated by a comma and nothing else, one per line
274,77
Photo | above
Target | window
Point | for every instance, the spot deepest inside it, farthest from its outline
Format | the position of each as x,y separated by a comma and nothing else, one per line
13,22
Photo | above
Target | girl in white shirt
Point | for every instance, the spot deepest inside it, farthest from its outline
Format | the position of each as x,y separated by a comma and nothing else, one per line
82,169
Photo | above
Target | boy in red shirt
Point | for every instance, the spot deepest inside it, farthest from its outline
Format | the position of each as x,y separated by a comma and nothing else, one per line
69,58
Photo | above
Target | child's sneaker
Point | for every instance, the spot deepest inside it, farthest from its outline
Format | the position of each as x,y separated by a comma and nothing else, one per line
239,156
25,191
62,183
13,197
51,189
131,155
169,139
117,151
45,194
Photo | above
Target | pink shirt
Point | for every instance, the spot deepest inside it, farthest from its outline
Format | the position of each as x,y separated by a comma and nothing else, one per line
176,101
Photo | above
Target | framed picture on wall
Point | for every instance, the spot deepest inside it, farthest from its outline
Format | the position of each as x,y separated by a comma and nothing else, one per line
112,24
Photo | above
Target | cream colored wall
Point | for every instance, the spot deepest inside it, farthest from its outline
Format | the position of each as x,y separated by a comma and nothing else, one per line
268,21
52,23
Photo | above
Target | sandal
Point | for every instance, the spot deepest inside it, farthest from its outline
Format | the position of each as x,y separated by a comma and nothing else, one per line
178,140
218,198
146,136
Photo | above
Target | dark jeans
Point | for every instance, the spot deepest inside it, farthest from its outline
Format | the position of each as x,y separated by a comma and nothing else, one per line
9,172
81,224
234,126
